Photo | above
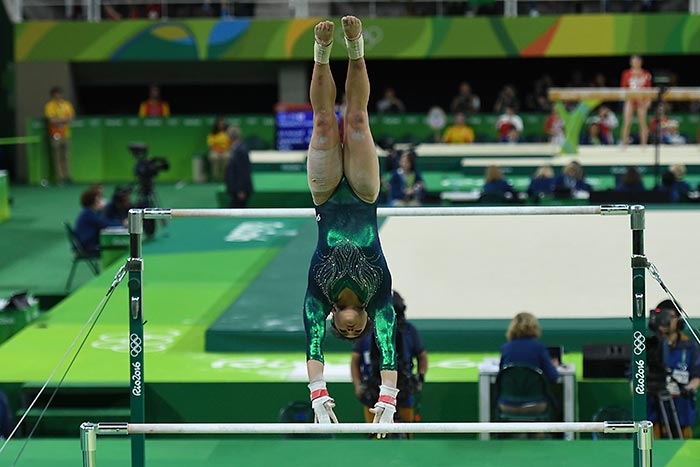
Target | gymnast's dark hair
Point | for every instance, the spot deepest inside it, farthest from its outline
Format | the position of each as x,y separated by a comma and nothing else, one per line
368,328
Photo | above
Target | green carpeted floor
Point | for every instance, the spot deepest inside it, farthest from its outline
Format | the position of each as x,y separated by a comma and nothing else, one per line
185,452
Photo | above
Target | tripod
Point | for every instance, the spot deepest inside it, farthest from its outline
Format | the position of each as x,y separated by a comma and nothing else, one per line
147,198
666,405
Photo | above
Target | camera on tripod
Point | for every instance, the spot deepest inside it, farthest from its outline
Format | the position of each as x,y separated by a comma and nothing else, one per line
145,171
146,168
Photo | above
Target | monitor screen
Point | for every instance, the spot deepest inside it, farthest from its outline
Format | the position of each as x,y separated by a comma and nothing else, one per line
555,352
293,129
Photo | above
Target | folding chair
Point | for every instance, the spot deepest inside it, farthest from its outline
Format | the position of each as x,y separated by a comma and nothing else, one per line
79,254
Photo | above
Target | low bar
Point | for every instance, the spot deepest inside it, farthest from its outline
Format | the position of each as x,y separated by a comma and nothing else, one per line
160,213
315,428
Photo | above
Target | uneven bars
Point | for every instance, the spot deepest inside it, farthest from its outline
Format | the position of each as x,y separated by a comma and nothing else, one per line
617,209
317,428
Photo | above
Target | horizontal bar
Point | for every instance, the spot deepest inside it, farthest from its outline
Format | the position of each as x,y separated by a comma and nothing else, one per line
620,94
315,428
157,213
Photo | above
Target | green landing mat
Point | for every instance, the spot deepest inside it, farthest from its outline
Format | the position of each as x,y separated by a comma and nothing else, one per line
186,452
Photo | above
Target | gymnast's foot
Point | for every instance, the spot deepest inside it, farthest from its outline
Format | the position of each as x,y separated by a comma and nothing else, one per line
324,33
352,27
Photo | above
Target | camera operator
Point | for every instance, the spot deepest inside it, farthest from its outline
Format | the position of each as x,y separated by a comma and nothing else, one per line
675,358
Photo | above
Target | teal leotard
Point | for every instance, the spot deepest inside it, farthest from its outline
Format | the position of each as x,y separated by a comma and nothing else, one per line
348,255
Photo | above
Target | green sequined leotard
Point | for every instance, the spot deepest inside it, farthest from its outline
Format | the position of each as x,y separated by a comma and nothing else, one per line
349,255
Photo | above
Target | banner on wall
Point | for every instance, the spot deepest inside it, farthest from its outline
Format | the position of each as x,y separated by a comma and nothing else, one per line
385,38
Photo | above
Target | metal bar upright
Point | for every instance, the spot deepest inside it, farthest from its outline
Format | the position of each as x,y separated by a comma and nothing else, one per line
88,444
136,338
639,323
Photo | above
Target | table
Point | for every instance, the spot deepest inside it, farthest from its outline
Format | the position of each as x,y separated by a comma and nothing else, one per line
488,370
114,244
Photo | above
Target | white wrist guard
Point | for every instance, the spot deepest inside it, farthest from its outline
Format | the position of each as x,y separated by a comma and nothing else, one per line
356,47
317,388
388,394
322,53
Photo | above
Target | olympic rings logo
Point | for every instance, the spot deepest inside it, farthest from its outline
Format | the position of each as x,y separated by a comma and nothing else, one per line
372,35
120,343
134,345
639,343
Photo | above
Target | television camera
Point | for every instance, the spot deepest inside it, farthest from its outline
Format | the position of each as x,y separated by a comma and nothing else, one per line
145,170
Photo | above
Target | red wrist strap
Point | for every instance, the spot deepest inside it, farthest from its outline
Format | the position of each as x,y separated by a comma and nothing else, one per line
387,399
319,393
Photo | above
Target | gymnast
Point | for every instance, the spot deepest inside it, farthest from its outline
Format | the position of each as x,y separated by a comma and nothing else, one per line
348,276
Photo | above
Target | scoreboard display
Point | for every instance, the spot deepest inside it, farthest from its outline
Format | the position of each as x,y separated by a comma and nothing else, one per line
293,129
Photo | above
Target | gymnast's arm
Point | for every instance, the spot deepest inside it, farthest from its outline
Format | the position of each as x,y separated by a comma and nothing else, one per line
315,326
384,332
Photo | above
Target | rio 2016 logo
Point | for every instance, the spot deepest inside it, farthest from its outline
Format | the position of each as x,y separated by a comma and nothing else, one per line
640,374
136,378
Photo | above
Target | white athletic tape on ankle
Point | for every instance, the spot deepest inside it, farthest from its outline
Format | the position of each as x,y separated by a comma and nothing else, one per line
356,47
322,53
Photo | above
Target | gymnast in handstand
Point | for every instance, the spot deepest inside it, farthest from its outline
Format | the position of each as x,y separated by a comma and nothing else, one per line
348,276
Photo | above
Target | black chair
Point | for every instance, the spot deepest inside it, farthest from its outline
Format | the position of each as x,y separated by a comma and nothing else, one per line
522,395
80,254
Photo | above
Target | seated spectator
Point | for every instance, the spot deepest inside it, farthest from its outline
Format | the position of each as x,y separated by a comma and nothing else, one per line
466,102
219,149
507,97
554,128
607,121
154,106
680,185
672,183
89,222
668,185
542,184
571,181
592,135
390,104
631,181
459,132
117,209
406,186
538,100
496,184
524,348
512,135
506,120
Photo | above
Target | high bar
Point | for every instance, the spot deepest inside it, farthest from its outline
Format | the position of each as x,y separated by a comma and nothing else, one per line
616,209
316,428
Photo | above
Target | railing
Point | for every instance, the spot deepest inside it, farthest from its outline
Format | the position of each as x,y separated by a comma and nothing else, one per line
96,10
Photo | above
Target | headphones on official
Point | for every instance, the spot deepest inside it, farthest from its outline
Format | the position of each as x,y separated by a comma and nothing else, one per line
667,306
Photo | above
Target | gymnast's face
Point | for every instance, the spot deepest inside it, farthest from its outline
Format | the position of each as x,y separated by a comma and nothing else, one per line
350,322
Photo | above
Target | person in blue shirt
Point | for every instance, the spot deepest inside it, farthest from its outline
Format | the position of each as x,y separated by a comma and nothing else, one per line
679,362
90,222
495,183
117,209
571,180
406,186
409,348
524,348
631,181
542,183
